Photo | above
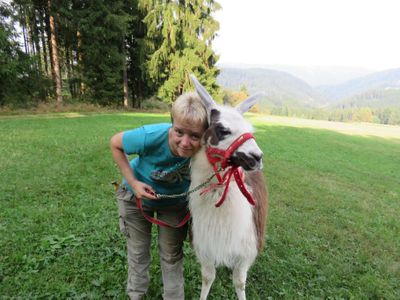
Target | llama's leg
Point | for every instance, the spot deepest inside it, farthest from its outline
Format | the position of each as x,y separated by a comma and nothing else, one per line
239,280
207,278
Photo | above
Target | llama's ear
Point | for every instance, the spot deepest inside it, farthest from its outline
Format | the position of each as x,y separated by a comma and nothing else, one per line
214,116
248,103
204,95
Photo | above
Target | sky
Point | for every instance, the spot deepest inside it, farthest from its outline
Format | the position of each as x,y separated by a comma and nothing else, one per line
318,33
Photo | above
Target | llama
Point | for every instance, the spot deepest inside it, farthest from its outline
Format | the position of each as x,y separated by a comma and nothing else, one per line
228,221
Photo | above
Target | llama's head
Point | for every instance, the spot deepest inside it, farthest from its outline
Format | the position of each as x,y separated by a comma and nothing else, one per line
226,125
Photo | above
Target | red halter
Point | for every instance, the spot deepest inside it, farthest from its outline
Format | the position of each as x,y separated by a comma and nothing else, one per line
217,156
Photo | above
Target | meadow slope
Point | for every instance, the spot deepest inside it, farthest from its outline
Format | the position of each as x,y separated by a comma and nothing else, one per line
333,219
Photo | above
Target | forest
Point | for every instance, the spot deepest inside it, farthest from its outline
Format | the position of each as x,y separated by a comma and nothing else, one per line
135,54
110,53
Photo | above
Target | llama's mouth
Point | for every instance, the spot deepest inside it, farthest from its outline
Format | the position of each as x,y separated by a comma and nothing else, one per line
248,162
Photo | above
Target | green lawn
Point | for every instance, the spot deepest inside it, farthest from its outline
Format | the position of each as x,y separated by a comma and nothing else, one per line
333,230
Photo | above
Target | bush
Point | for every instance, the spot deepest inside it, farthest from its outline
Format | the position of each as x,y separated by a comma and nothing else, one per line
155,104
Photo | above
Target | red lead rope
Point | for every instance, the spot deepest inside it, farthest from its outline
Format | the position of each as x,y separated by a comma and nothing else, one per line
160,222
216,156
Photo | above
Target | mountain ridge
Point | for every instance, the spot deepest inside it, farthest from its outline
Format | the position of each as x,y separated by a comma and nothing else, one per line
379,89
280,88
372,82
313,75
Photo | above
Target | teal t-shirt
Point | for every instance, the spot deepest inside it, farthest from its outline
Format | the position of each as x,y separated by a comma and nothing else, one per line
155,164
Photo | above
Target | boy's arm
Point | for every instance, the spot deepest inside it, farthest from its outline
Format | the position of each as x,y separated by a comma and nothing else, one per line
141,189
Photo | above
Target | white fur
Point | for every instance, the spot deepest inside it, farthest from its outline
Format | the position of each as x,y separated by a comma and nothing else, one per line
224,235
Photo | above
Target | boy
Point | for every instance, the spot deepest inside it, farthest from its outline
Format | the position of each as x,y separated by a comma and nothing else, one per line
162,167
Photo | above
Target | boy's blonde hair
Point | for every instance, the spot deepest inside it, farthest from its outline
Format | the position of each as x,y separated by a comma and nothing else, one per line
189,108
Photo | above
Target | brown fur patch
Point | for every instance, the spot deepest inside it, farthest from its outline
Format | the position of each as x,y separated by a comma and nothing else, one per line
257,182
210,136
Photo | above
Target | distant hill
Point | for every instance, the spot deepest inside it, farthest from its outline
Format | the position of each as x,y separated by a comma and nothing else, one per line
376,90
317,76
381,86
280,88
378,98
314,76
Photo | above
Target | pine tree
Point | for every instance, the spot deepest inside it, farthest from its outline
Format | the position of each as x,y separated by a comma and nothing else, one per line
102,29
137,50
180,33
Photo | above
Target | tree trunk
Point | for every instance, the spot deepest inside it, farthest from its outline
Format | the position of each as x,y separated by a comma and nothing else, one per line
126,93
55,57
47,28
46,66
29,35
79,59
68,62
25,40
36,40
125,75
43,40
23,24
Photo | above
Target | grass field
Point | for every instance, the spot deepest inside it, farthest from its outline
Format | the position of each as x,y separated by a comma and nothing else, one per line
333,230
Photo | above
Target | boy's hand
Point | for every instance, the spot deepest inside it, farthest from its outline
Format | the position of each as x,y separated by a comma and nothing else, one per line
143,190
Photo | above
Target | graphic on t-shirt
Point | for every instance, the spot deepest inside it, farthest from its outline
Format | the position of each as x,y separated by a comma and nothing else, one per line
174,176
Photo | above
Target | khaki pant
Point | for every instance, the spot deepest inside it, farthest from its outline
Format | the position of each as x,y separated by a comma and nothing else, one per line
138,234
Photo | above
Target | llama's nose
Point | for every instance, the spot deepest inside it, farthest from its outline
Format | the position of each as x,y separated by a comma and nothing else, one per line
257,156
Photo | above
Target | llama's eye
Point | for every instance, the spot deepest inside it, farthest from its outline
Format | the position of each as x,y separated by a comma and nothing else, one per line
221,131
225,131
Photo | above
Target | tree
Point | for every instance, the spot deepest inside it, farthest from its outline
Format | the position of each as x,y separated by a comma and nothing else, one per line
55,65
180,34
363,115
138,48
102,31
8,56
21,83
109,52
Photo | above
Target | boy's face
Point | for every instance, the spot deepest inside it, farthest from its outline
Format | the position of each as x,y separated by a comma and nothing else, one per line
185,138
